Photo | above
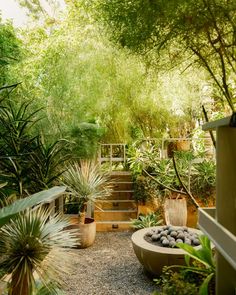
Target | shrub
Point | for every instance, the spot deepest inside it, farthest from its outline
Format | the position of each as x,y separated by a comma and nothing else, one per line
177,283
144,188
203,179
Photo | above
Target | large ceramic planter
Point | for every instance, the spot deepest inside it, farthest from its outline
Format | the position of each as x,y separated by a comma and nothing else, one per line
176,211
154,257
86,232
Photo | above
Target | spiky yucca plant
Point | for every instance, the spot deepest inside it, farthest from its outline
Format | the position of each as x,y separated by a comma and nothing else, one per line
34,245
86,182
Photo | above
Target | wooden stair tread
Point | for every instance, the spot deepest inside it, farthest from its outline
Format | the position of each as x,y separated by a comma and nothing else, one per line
123,191
121,210
117,221
115,212
115,201
121,181
120,173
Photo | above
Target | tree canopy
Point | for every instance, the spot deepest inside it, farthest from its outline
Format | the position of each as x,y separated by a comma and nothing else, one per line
92,90
10,51
80,77
201,31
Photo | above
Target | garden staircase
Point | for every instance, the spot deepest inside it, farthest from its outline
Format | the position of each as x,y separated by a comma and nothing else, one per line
114,213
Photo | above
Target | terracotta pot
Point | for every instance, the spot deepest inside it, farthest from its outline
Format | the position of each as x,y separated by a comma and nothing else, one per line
183,145
86,232
176,211
192,219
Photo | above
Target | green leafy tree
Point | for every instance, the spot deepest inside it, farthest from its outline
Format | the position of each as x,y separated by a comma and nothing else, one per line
202,32
77,74
37,10
86,137
10,50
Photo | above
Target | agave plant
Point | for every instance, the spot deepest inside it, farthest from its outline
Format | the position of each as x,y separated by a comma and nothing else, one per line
27,163
86,182
143,221
34,246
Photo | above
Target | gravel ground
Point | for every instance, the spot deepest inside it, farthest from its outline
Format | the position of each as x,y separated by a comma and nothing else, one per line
108,267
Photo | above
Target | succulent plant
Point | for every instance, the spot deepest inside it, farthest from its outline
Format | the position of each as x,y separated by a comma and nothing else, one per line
143,221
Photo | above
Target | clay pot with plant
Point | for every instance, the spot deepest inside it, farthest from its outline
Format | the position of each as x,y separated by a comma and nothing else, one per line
177,193
170,188
86,182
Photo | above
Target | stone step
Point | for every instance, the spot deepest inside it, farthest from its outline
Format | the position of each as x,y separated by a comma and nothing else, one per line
114,215
113,226
115,204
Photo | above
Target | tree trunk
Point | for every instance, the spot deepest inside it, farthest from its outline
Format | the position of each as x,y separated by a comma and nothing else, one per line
19,284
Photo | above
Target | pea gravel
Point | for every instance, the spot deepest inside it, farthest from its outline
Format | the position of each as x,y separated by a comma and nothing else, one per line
108,267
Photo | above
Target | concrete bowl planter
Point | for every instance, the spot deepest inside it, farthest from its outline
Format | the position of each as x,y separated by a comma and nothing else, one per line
154,257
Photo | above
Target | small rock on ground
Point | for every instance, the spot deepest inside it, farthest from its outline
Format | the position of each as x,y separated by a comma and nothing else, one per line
109,267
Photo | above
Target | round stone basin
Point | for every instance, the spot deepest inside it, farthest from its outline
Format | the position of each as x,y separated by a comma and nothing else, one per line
154,257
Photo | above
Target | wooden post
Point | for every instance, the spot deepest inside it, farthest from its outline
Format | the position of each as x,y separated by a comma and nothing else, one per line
226,203
61,204
52,207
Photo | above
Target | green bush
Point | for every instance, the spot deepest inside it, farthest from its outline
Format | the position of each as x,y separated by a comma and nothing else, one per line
161,176
203,179
177,283
27,164
86,137
196,278
144,188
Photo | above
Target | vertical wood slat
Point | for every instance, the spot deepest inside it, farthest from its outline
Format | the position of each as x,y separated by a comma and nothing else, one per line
226,202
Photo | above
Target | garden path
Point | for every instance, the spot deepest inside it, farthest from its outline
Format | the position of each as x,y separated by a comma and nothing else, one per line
108,267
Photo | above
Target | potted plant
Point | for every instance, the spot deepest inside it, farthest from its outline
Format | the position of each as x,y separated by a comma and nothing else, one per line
168,181
85,183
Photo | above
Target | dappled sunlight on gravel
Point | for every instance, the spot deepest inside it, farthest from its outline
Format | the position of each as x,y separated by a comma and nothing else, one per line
108,267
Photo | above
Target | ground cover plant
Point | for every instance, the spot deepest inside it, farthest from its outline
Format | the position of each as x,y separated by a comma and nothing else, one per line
197,277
